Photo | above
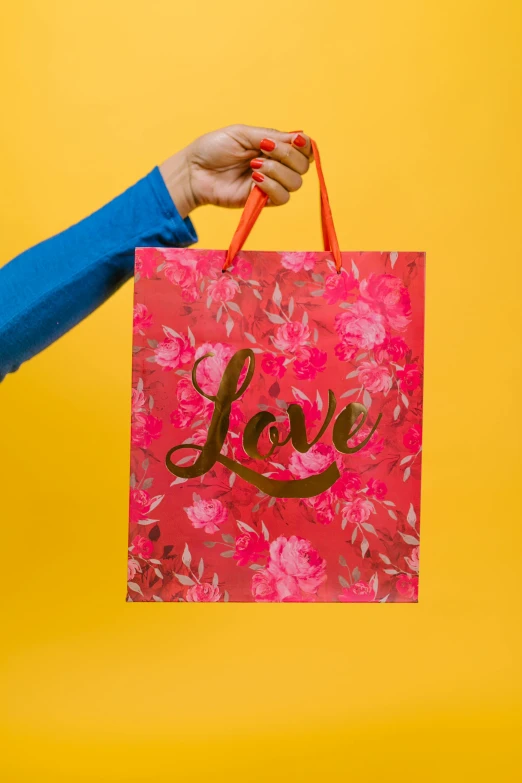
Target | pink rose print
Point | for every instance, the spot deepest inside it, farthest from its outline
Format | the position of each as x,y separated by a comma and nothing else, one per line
337,288
208,264
357,510
309,363
264,587
323,506
295,572
408,586
273,365
133,568
392,350
145,429
204,592
354,333
242,268
376,489
361,327
375,377
360,592
413,438
173,352
142,546
347,485
374,446
192,405
137,401
413,560
141,318
178,266
190,294
223,289
295,557
147,261
139,504
207,514
317,460
345,352
210,370
199,436
388,294
409,377
291,336
250,548
185,275
296,262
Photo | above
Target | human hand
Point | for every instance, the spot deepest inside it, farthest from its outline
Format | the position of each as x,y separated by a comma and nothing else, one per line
221,167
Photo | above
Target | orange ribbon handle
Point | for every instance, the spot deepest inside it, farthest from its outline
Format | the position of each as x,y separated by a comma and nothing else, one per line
257,200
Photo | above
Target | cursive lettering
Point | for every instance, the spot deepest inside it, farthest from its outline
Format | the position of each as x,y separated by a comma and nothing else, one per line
347,424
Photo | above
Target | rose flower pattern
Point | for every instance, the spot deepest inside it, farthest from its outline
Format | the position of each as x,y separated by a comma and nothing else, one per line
276,427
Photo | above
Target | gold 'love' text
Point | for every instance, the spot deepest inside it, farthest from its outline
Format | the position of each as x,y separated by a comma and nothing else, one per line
348,423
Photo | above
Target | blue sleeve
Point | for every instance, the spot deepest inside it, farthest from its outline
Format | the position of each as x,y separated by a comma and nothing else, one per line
48,289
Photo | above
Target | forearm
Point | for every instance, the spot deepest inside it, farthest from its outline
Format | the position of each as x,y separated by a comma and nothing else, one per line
51,287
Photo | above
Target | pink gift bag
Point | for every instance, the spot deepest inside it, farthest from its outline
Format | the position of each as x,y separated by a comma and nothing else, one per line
276,423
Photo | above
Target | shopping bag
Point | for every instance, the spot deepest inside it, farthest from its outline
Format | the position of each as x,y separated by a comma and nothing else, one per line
276,427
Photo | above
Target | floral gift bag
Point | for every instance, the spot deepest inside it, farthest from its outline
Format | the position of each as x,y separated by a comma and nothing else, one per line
276,423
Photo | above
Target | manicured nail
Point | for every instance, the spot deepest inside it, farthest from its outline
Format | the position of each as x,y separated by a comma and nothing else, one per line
256,163
300,141
257,177
267,145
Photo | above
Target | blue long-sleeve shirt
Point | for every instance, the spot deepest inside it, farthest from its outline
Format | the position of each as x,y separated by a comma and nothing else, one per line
49,288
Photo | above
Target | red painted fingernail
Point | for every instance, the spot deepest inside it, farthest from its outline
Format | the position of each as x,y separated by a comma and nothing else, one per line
267,145
257,177
256,163
300,141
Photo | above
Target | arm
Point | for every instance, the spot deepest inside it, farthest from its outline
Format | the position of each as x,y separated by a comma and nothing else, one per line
48,289
51,287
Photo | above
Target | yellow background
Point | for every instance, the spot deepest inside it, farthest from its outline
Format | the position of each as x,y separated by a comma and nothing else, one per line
416,106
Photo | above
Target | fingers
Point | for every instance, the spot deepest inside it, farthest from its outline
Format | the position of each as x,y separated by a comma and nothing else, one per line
291,149
278,172
284,158
277,194
296,158
286,177
303,143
